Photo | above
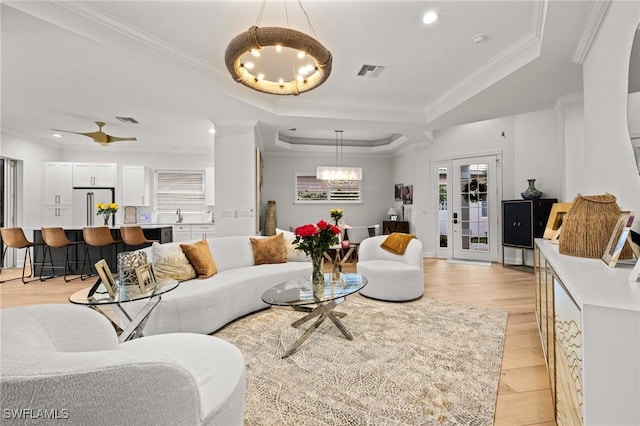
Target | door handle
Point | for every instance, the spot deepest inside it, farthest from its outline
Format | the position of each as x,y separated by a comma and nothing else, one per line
455,218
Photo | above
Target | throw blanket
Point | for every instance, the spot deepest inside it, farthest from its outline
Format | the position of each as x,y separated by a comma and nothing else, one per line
397,242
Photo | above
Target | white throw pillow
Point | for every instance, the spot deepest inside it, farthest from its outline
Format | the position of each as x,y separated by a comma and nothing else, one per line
170,262
293,254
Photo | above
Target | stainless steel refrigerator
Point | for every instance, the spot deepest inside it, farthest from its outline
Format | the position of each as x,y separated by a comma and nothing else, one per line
84,205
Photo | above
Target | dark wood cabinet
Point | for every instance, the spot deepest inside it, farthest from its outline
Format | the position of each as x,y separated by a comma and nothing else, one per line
389,226
524,220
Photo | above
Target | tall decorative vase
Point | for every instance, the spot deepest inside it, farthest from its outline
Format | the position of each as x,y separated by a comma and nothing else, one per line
531,193
271,221
107,216
317,276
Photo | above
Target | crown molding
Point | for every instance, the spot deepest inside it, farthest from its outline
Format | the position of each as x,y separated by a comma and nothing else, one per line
523,51
563,101
597,12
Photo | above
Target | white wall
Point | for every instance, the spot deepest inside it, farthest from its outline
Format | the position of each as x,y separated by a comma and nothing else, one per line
410,167
32,154
527,148
575,172
235,183
609,157
279,174
538,153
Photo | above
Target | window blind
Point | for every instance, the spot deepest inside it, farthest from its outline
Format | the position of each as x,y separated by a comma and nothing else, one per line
310,189
182,189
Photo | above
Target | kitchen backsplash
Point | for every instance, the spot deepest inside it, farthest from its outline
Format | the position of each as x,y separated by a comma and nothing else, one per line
147,215
186,217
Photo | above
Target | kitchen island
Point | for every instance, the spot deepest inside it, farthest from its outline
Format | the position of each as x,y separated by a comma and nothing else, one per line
163,234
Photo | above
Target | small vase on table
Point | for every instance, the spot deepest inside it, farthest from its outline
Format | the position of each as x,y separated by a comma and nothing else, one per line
107,216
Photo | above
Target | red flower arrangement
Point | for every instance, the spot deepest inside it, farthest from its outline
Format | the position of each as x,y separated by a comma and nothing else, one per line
314,240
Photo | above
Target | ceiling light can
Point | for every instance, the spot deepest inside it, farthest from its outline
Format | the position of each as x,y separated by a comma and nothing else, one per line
430,17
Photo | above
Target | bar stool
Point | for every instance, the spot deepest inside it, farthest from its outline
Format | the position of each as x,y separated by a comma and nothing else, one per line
55,238
99,236
134,237
15,238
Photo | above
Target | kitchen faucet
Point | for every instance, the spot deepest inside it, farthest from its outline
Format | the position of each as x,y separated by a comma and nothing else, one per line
179,213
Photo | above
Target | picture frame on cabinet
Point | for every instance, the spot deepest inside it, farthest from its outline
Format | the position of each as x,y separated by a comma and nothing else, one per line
554,223
618,238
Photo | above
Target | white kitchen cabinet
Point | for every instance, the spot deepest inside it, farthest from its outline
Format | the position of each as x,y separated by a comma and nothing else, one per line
201,232
100,175
209,187
57,216
58,184
136,186
181,232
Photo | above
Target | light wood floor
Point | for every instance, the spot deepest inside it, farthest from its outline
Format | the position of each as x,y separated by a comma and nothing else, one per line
524,396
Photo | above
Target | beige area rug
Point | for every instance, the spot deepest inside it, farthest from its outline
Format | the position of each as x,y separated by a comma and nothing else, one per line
426,362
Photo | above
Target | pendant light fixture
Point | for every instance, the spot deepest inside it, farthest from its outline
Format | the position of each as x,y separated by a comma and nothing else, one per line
339,177
260,57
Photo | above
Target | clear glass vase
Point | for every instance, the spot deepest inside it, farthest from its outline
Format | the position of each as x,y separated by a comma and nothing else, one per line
107,216
317,276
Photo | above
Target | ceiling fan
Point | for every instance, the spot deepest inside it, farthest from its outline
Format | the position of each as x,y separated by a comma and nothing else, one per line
101,137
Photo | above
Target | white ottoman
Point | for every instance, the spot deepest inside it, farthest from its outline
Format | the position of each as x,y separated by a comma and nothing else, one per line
391,277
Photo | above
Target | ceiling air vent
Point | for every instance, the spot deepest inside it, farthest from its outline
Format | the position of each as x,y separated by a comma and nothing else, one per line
128,120
371,71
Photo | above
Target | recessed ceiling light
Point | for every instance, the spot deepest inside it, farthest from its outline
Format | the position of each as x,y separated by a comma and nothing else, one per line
57,135
212,130
430,17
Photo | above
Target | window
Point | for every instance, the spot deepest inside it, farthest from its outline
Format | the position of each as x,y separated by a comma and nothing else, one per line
308,189
182,189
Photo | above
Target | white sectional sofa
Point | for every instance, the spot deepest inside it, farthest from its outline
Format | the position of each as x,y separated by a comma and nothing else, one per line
205,305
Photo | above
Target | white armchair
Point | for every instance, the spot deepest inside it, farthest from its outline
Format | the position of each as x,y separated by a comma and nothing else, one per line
65,361
391,277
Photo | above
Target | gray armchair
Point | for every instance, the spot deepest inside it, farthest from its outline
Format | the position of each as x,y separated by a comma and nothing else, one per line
65,362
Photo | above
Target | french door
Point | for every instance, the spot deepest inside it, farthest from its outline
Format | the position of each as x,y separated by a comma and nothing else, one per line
474,196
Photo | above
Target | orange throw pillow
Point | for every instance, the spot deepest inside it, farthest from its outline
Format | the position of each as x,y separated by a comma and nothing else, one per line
269,250
397,242
200,258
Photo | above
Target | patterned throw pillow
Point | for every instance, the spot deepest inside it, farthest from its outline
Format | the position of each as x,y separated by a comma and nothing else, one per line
128,262
293,254
169,262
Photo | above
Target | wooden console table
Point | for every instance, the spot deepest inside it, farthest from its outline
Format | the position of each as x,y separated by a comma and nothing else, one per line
389,226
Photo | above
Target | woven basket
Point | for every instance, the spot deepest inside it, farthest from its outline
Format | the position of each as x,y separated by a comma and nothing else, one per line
587,227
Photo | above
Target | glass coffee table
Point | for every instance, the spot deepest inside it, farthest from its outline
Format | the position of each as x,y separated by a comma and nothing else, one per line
101,300
299,295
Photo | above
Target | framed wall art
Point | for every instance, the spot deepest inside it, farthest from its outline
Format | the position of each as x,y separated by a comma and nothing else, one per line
407,194
398,191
